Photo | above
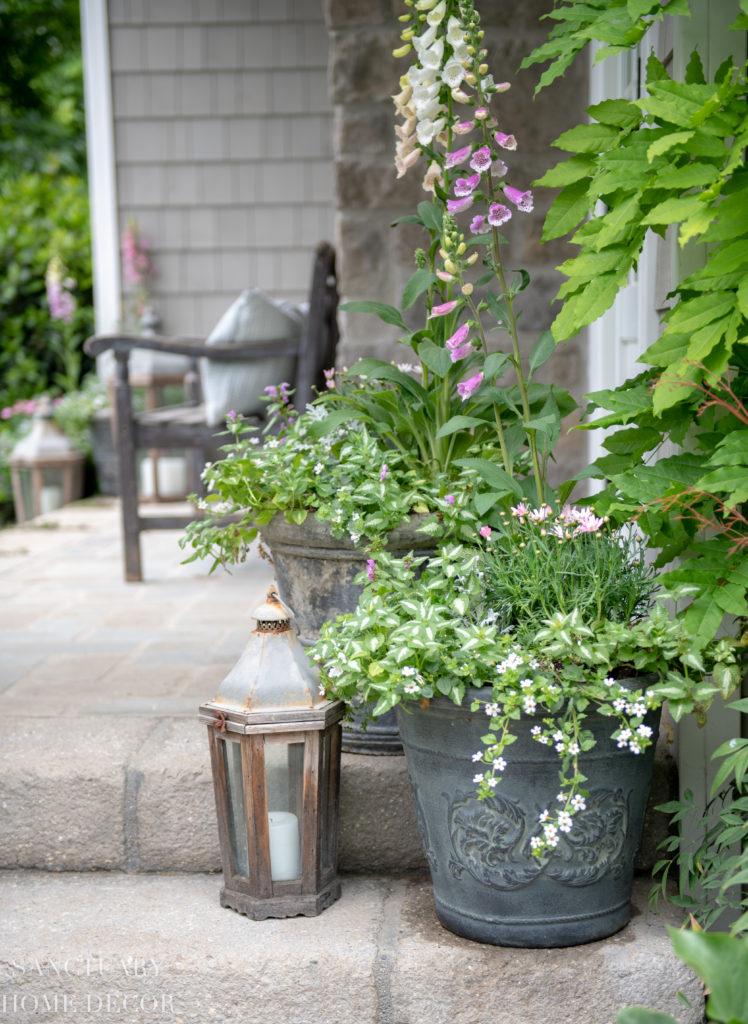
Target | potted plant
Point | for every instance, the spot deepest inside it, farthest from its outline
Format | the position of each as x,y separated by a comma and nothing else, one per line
527,677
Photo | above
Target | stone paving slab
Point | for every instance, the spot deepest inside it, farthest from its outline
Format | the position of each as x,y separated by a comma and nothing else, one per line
109,948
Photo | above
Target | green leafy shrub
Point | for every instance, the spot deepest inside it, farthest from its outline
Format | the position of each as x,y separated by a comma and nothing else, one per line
41,218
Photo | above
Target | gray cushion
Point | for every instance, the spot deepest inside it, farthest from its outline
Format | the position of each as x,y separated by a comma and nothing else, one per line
240,386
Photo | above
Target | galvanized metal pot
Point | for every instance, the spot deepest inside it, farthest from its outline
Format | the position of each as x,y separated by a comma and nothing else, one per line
314,572
487,885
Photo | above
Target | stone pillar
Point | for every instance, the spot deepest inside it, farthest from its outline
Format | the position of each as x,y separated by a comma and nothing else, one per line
375,260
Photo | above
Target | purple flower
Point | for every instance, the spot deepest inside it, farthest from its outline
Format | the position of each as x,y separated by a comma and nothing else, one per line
383,473
456,344
272,391
481,160
522,200
449,499
498,214
444,308
458,205
485,531
370,567
465,186
463,127
505,141
500,168
231,415
62,305
466,387
457,156
478,224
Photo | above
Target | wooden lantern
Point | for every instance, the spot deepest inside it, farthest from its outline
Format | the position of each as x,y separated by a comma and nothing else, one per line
45,467
275,756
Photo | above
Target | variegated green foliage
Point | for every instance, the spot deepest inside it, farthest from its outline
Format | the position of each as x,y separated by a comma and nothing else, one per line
674,157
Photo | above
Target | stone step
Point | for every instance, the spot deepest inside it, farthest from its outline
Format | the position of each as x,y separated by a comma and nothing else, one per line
130,791
109,947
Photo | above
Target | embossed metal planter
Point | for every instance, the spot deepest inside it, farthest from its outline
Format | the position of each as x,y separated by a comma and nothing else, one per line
315,571
487,885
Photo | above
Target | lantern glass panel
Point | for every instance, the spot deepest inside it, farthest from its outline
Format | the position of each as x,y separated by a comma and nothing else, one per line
284,774
232,759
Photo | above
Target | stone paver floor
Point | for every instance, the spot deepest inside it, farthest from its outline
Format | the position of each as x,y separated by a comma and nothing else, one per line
76,639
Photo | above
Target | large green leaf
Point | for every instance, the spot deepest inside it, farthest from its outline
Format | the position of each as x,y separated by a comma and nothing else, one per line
493,475
388,314
567,210
568,171
542,350
585,306
618,112
420,282
437,359
588,138
456,423
721,961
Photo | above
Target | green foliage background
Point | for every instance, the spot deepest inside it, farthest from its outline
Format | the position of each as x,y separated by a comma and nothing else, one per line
43,196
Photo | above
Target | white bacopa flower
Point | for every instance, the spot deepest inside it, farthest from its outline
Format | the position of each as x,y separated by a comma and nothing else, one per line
499,764
535,731
529,705
619,704
560,747
334,671
478,755
634,747
644,730
524,683
411,687
551,834
493,783
558,735
573,748
535,842
318,468
578,802
409,670
561,797
492,709
608,681
544,816
565,821
478,778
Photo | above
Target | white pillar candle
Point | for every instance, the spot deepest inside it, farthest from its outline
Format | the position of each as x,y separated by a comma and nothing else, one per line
50,498
172,476
285,853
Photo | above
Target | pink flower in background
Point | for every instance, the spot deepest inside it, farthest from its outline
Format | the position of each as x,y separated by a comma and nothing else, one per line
485,531
330,377
449,499
465,186
466,387
444,309
522,200
458,344
463,127
383,473
458,205
478,224
136,263
505,141
498,214
481,159
457,156
370,569
62,304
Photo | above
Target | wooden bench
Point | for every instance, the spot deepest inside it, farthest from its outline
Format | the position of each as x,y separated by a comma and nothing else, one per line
184,426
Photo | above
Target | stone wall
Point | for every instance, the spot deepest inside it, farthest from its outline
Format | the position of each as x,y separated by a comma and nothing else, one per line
375,259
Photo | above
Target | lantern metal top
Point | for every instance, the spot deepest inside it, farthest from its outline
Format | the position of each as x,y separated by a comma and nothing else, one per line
273,672
45,443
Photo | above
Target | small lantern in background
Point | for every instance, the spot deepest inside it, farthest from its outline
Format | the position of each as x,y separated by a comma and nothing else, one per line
275,755
46,468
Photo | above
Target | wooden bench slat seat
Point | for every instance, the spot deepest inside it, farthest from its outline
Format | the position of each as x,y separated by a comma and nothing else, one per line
184,426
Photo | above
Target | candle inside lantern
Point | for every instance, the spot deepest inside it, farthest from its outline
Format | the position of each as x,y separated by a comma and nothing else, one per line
50,498
285,854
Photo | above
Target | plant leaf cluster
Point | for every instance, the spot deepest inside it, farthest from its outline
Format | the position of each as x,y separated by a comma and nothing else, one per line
677,155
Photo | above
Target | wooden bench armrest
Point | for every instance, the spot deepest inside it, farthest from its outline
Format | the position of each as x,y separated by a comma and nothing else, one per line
196,348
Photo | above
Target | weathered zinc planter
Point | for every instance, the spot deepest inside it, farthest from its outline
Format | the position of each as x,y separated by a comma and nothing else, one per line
487,885
314,572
